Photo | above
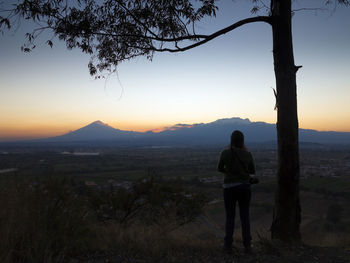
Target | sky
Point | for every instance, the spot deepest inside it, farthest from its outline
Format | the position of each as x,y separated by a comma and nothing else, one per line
50,92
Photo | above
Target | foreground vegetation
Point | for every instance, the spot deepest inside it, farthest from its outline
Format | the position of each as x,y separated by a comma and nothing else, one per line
50,212
55,219
59,220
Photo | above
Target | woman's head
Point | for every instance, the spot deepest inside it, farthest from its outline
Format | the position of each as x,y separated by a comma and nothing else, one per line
237,139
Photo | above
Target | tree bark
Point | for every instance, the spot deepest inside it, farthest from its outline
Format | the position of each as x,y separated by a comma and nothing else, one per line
287,212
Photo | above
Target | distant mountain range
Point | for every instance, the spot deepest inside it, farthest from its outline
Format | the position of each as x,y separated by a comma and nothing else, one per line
202,134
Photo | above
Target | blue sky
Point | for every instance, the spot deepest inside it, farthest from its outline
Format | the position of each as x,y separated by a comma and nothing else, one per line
49,91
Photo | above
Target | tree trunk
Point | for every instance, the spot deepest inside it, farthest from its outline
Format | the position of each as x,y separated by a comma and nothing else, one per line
287,212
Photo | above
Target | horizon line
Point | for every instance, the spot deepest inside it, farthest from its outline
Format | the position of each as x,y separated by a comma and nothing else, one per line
154,130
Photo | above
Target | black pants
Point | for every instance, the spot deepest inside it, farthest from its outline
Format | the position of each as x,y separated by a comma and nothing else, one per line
242,195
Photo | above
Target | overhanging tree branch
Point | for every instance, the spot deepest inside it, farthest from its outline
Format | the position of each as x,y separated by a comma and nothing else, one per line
117,30
309,9
156,38
207,38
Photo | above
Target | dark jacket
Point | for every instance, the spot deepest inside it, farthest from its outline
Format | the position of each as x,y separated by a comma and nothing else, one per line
237,164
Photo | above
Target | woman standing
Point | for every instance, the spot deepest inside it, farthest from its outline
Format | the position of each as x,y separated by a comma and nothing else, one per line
237,164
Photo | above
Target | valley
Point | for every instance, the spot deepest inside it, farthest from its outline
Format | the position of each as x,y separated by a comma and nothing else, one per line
325,181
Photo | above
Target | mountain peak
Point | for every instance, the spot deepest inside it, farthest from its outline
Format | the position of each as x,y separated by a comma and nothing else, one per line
99,123
235,120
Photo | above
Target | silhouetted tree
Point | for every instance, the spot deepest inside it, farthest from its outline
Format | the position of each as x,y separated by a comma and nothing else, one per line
113,31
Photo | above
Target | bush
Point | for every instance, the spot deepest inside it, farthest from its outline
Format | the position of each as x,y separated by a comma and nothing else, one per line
149,202
47,221
44,221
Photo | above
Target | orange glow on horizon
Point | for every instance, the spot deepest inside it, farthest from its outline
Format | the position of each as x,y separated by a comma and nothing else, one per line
18,132
34,131
325,123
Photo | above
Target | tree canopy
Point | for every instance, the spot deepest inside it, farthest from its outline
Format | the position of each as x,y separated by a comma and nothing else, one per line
113,31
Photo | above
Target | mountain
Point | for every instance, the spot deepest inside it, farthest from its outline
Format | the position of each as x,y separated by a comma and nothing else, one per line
96,131
201,134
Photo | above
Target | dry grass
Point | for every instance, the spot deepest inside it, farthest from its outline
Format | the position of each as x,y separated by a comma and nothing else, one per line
151,243
42,222
46,221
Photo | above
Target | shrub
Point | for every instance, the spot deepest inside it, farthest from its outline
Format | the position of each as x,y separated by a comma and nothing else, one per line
150,202
44,221
47,221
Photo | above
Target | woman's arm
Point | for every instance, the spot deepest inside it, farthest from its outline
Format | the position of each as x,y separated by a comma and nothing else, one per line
251,165
221,164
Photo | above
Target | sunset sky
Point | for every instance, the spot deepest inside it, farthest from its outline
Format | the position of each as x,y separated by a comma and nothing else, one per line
50,92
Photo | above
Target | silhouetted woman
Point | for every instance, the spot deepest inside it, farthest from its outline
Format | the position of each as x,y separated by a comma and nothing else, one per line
237,164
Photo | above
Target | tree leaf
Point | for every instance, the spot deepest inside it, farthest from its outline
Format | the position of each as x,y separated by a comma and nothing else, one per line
6,22
49,42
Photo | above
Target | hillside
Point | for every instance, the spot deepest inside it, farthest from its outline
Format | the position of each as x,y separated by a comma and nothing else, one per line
77,215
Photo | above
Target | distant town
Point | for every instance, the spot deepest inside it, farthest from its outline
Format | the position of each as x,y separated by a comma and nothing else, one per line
115,164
